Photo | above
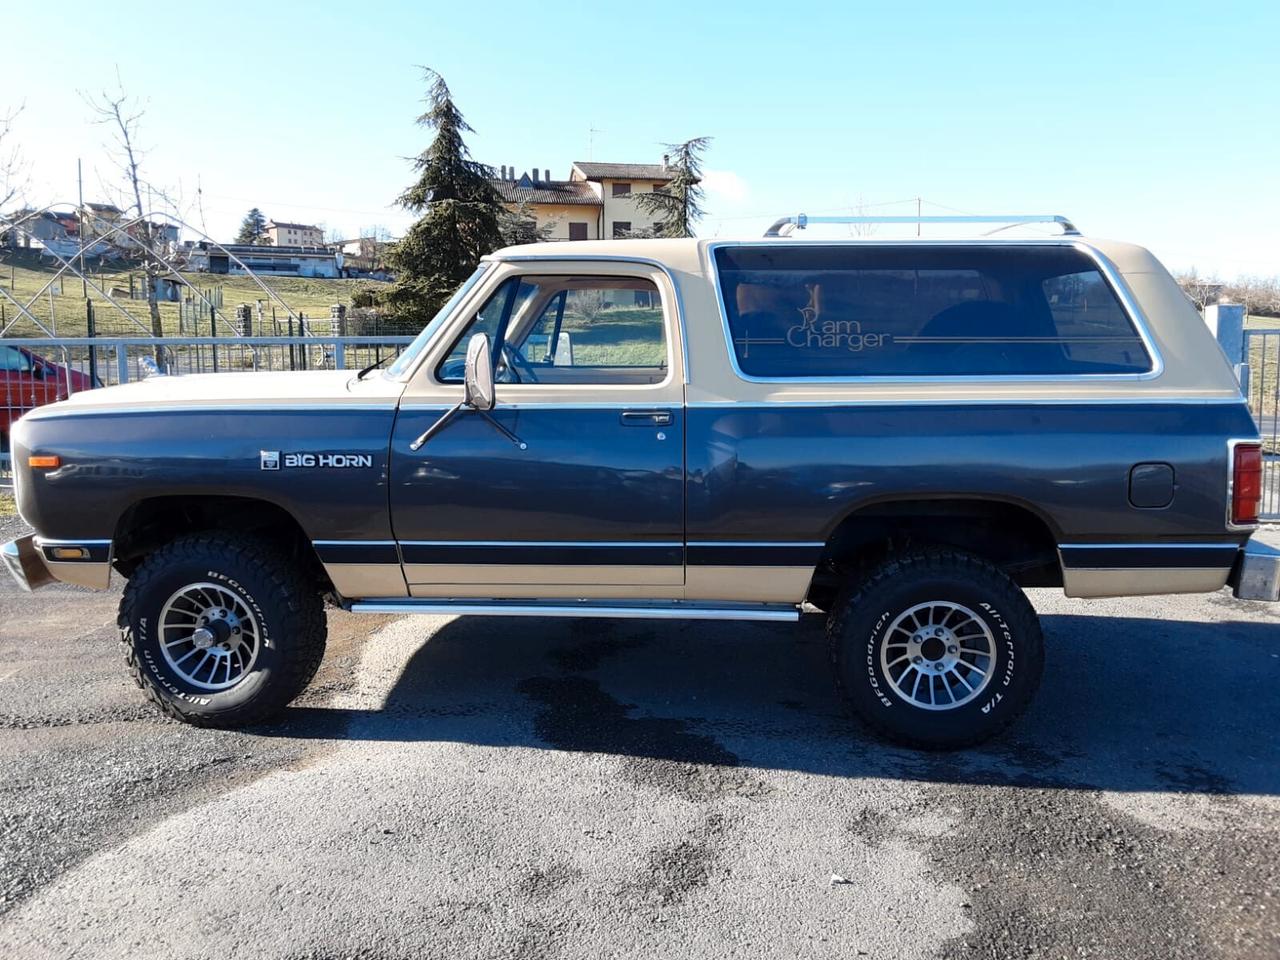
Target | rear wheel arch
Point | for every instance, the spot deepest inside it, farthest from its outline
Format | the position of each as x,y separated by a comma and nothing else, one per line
1015,536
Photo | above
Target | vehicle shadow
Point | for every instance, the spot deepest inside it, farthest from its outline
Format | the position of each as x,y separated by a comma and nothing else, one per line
1126,705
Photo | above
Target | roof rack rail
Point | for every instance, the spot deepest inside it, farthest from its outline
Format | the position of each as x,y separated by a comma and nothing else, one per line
803,220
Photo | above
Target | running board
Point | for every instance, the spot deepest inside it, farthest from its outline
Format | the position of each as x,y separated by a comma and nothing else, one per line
620,609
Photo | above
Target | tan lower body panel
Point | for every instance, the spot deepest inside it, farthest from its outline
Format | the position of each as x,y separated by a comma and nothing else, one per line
535,573
357,580
1142,581
548,591
96,576
748,584
741,584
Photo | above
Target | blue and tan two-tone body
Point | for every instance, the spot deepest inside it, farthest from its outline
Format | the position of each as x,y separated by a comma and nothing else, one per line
707,486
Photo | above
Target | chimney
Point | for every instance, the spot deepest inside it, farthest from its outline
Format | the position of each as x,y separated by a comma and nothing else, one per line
665,158
547,178
503,174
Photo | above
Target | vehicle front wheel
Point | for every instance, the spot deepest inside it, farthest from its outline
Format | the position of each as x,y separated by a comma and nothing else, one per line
221,630
936,649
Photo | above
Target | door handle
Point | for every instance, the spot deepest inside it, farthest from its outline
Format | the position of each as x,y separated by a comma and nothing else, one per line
646,418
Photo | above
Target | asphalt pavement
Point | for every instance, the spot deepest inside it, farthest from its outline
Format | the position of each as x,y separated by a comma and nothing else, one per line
459,787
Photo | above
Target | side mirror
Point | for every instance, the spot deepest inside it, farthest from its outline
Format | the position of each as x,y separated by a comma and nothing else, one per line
477,381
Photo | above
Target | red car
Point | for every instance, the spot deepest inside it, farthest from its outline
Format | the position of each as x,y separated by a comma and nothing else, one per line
27,381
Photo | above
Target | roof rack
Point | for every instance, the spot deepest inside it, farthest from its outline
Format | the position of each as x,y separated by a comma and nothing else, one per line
803,220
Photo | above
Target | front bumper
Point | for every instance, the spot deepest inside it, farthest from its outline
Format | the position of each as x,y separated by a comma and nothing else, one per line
25,563
1257,577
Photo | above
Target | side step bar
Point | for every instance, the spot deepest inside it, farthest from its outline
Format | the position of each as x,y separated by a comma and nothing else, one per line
621,609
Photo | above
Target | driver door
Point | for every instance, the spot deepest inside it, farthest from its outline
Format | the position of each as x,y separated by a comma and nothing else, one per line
577,488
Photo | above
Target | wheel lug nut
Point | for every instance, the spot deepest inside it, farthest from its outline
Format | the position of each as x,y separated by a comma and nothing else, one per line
915,660
953,649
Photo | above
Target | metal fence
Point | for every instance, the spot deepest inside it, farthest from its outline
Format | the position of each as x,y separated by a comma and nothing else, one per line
1261,385
39,371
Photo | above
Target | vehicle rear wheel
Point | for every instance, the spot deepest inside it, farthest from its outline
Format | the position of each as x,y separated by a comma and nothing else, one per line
221,630
936,649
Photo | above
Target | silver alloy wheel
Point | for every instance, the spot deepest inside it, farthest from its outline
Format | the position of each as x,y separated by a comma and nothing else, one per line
209,636
938,655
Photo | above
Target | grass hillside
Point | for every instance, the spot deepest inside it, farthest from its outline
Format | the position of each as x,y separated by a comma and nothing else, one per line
23,275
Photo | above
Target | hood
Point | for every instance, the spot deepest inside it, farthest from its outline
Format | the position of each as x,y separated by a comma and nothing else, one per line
232,389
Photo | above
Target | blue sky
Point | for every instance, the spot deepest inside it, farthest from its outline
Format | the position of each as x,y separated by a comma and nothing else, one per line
1152,122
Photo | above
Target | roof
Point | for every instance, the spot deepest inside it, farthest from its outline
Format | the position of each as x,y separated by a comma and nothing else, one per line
546,191
623,171
104,207
296,226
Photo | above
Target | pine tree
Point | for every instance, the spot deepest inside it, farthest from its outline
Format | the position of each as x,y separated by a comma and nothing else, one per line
677,207
460,212
253,229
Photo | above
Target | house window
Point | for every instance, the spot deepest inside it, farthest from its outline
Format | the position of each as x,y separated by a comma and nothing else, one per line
577,231
621,189
621,228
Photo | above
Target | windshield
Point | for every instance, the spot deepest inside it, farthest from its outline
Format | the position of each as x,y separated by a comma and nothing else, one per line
410,353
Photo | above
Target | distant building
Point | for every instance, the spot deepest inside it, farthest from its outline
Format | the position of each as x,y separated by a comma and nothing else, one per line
278,261
100,219
597,201
294,234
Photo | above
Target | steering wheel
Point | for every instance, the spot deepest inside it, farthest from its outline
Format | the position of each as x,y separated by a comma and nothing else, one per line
516,361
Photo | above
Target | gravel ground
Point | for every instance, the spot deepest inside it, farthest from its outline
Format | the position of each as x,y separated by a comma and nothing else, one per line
478,787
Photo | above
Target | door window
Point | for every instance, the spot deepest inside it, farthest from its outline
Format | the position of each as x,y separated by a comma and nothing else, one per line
570,330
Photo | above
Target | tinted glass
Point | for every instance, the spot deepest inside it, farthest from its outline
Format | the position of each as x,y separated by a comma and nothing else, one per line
817,311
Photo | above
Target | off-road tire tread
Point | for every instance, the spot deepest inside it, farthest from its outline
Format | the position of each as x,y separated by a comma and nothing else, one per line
301,601
940,561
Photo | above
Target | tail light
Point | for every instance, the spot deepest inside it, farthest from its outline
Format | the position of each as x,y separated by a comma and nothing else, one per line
1246,483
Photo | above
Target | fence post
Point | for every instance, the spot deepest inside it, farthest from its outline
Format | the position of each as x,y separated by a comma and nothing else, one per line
122,362
91,327
244,320
1226,322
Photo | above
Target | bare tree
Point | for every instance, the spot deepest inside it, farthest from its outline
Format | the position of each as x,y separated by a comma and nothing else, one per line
12,169
123,116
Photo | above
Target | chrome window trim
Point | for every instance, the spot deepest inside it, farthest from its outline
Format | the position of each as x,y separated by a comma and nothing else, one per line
1105,267
542,543
55,542
1231,483
556,404
266,406
608,258
1153,545
757,543
1012,400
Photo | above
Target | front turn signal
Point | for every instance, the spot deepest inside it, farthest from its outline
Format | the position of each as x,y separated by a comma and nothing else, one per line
44,462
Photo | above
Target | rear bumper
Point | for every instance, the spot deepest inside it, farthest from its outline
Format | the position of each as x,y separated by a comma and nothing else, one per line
24,561
1257,575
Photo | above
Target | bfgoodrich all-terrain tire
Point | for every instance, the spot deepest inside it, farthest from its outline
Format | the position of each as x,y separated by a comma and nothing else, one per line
221,630
936,649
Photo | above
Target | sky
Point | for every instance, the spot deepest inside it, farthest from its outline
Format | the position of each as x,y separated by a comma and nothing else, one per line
1153,122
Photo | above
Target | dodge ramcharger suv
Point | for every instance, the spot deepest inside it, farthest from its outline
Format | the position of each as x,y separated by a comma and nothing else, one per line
901,435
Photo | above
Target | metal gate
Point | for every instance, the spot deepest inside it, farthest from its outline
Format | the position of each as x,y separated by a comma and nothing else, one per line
1261,385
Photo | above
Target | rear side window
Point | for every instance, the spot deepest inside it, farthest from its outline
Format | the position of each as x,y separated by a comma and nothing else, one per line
819,311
